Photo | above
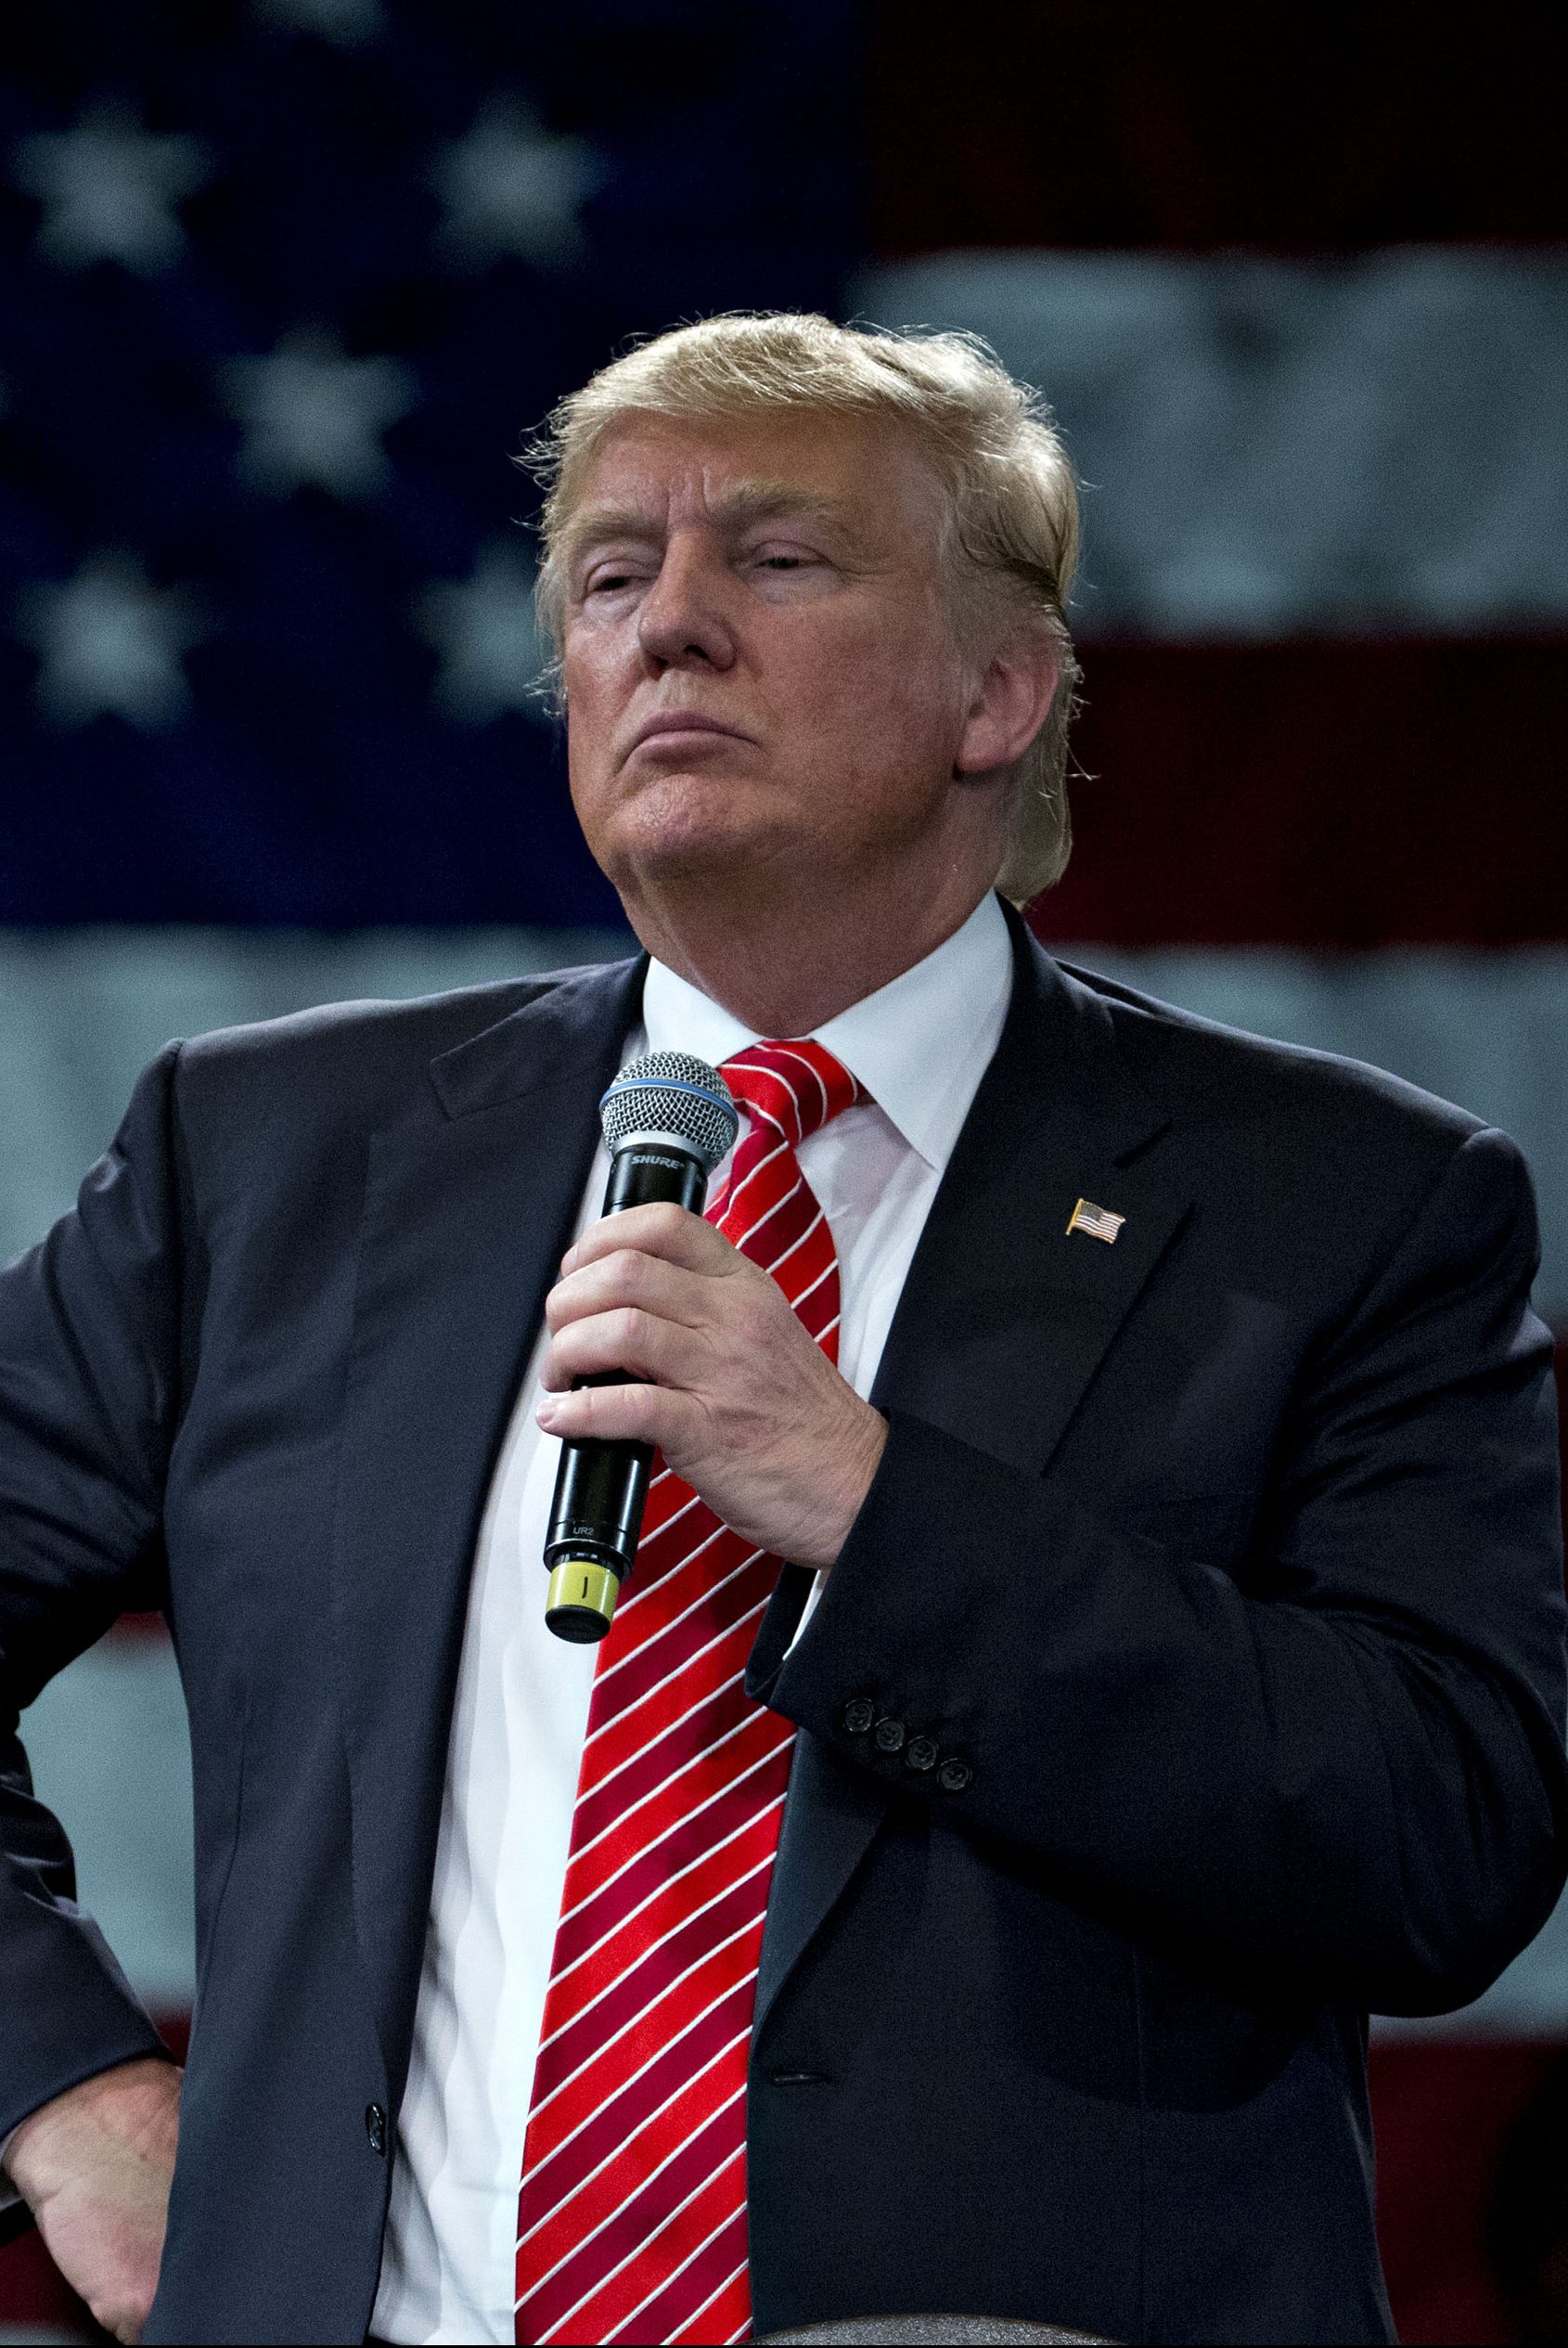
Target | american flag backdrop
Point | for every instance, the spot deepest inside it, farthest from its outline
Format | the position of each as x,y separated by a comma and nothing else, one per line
287,281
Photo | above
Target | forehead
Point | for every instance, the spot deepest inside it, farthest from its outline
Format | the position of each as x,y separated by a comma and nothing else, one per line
867,471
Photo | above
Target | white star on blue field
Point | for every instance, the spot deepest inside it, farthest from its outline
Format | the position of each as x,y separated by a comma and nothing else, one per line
348,24
311,415
511,187
111,645
111,190
493,655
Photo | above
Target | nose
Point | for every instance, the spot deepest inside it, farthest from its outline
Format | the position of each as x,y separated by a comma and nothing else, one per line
683,621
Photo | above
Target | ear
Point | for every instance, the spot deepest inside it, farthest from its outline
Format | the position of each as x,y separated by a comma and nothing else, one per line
1011,702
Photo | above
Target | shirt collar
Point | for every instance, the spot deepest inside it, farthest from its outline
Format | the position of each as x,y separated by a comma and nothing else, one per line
920,1045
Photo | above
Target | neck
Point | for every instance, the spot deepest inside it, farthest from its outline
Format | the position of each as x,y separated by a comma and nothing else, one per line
785,964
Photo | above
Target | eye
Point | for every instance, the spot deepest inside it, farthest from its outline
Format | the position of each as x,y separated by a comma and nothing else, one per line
609,580
783,560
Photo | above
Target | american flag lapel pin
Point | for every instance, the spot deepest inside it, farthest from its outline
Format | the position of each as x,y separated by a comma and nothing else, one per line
1098,1221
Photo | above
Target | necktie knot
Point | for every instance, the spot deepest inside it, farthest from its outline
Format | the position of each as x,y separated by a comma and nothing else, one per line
794,1087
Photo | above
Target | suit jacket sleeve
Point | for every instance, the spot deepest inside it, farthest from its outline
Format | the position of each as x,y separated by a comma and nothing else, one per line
1351,1773
89,1379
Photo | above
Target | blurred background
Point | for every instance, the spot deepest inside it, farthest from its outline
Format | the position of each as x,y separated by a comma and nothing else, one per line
285,283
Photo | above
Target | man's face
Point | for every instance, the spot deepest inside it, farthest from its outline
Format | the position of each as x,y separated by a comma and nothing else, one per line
760,669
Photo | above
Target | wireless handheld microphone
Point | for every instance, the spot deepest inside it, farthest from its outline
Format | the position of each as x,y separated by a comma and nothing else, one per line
668,1119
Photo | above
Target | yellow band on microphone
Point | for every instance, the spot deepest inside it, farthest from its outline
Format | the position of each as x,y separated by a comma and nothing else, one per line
581,1599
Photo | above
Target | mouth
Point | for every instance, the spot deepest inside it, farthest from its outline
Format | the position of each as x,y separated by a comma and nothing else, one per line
678,728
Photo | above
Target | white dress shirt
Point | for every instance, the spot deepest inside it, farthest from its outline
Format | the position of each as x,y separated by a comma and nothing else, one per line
919,1047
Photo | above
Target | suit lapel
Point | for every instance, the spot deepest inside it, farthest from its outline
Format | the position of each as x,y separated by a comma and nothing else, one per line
1004,1320
469,1206
1006,1314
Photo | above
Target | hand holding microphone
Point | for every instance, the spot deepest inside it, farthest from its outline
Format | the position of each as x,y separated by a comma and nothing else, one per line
663,1334
668,1119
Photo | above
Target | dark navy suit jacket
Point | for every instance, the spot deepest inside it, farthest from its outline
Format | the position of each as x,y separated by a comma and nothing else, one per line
1217,1564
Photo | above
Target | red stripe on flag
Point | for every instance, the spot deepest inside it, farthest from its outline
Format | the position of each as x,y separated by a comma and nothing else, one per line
1317,794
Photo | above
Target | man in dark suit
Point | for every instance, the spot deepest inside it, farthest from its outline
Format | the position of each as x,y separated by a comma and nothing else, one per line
1170,1610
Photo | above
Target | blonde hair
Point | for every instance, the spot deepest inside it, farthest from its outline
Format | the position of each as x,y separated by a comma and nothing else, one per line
1011,527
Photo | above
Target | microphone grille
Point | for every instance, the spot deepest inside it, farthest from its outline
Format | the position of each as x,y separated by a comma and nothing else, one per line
672,1093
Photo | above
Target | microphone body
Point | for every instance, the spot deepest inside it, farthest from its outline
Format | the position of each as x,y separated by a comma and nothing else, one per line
667,1132
595,1517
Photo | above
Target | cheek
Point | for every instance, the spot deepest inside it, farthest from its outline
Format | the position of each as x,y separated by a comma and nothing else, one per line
594,702
585,674
887,703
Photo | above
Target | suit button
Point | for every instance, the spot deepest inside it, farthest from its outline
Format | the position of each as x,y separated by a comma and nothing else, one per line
890,1735
919,1753
954,1775
859,1713
376,2128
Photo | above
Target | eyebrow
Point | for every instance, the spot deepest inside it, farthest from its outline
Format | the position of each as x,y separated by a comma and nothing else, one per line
736,507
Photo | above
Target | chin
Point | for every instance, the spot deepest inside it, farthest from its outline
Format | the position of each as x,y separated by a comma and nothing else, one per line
679,834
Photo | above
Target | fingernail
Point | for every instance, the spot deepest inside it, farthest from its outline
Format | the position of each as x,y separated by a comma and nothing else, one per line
545,1413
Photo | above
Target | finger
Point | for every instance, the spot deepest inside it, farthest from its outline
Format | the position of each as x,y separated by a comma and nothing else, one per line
671,1233
618,1414
626,1276
628,1339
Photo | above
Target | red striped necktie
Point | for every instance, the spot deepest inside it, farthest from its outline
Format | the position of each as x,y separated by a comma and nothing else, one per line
632,2219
